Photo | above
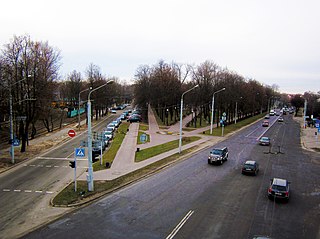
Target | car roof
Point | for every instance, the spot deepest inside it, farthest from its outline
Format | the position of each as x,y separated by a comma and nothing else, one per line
251,162
279,181
264,137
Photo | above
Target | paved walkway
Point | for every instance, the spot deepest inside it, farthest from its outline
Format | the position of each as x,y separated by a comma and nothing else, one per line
309,140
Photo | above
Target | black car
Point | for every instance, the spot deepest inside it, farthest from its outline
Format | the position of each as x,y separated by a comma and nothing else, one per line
134,118
218,155
250,167
279,189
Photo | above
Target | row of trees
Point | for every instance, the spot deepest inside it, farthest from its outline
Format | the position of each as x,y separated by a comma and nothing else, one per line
162,85
29,75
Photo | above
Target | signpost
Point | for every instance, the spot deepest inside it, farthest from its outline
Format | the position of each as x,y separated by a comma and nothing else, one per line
71,133
143,138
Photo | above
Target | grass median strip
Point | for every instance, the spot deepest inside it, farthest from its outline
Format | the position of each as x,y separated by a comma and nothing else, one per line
159,149
233,127
110,154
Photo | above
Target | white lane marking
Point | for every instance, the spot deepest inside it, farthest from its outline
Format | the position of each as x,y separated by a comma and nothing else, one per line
26,191
48,166
252,132
180,224
49,158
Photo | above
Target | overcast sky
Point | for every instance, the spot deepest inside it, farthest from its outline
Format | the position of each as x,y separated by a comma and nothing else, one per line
274,41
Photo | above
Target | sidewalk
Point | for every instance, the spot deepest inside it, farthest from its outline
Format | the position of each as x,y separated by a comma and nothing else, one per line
309,140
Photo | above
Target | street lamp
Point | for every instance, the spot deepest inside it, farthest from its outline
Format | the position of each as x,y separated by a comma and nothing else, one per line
79,105
180,138
11,119
90,169
235,121
211,126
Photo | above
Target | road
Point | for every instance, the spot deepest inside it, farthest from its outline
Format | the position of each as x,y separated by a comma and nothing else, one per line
192,199
26,190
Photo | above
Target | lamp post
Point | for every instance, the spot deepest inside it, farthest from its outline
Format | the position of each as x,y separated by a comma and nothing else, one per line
212,109
181,109
79,105
11,119
235,121
90,169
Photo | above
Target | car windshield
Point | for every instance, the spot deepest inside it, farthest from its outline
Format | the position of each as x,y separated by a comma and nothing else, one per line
264,139
279,188
108,132
249,166
216,152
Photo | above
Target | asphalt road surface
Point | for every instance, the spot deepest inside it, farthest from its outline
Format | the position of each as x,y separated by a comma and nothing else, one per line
192,199
26,190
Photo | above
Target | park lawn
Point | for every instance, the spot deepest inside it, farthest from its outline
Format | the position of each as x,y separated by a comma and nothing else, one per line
162,148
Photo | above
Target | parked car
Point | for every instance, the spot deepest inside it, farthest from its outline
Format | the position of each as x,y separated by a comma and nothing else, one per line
280,119
134,118
279,189
123,116
108,134
113,111
112,126
218,155
264,141
96,149
250,167
265,123
116,123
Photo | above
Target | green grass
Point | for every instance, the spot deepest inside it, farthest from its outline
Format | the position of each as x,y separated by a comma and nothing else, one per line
143,127
159,149
110,154
233,127
68,196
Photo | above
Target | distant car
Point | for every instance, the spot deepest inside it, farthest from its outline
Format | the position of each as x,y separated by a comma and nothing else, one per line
265,123
264,141
113,111
108,134
112,126
218,155
280,119
250,167
134,118
116,123
267,117
279,189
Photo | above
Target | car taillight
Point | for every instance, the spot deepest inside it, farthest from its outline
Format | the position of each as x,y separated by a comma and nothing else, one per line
269,190
287,194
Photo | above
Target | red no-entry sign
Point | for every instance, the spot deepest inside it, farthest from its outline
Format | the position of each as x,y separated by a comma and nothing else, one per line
71,133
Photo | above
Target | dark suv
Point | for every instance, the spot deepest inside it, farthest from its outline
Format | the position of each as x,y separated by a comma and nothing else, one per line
218,155
279,188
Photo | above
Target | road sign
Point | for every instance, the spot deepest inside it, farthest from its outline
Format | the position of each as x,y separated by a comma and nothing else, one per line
143,138
317,125
224,114
71,133
21,118
80,152
16,142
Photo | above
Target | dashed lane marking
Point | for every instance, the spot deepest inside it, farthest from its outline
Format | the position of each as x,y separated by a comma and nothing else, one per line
26,191
49,166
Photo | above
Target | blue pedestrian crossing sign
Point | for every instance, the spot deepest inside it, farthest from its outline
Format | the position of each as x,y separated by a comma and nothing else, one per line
80,152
